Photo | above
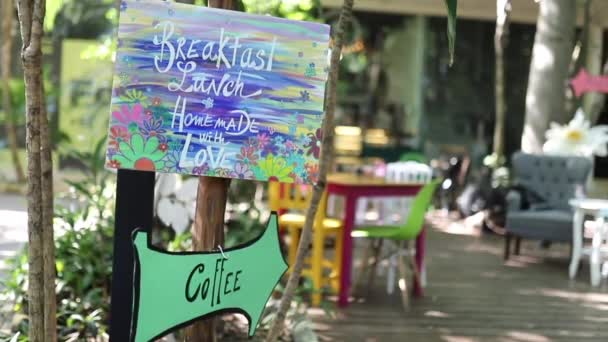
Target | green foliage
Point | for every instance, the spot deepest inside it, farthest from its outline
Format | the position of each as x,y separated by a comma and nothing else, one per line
92,162
17,88
83,248
291,9
86,19
246,226
451,7
83,262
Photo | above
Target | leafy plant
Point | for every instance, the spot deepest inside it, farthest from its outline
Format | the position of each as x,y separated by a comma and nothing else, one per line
83,247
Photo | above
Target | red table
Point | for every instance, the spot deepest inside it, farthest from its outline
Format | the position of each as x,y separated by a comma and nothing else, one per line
353,187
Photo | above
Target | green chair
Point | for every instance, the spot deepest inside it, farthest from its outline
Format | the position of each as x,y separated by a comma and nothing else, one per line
414,156
400,236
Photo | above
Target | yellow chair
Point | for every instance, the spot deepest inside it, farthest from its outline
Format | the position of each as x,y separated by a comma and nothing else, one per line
291,202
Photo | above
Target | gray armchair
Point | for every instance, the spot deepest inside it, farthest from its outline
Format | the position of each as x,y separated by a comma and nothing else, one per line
554,179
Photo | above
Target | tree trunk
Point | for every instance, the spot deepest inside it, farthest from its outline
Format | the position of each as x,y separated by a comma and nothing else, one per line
596,104
31,17
48,236
501,36
208,229
8,12
326,158
551,54
207,235
593,101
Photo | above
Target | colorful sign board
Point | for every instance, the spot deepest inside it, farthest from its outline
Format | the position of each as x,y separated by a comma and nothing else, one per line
217,93
584,83
174,289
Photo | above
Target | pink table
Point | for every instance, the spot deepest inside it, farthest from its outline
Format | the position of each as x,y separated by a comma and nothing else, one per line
352,187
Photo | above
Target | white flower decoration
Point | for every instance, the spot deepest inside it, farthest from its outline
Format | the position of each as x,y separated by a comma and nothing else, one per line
177,201
577,138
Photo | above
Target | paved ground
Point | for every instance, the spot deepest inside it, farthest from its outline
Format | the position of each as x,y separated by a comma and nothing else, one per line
473,295
13,226
13,234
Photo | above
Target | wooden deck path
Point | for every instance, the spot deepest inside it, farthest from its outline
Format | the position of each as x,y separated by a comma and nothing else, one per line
472,295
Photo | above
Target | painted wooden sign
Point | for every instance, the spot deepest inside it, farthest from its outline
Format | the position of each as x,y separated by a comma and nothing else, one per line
217,93
584,83
174,289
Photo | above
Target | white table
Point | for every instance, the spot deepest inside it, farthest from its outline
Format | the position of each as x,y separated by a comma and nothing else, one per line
582,207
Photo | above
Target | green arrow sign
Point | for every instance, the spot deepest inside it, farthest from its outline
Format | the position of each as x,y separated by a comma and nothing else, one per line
174,289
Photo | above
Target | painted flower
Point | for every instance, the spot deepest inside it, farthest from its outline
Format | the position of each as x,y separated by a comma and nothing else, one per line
201,170
263,140
278,140
148,112
118,134
577,138
208,103
157,101
251,142
222,172
134,96
124,77
304,95
128,115
123,6
110,153
314,146
242,171
313,172
175,145
297,161
290,146
140,154
154,128
269,149
172,162
114,164
163,147
275,168
248,155
296,178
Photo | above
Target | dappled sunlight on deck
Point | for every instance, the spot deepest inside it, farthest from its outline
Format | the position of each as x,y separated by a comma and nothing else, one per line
473,295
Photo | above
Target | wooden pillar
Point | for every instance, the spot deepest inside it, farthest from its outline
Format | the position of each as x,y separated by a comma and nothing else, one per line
207,235
208,229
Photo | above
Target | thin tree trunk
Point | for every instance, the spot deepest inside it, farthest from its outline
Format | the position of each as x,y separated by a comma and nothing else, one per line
593,101
596,105
551,54
503,10
48,236
7,54
326,158
31,17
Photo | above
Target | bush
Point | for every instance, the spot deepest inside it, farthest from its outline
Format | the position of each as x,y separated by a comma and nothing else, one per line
83,249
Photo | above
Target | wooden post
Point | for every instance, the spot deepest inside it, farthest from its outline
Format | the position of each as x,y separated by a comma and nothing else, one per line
207,235
208,229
